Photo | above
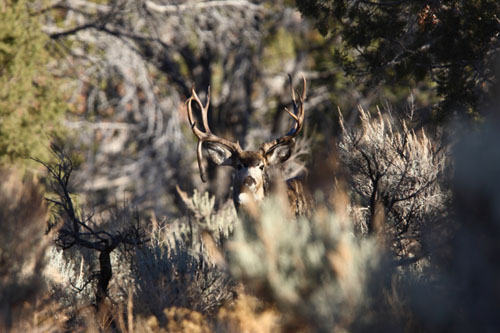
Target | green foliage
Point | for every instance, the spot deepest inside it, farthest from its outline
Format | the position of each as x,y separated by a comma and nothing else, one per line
452,43
30,105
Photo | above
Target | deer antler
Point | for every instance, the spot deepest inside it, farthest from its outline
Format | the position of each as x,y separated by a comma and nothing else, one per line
208,135
297,115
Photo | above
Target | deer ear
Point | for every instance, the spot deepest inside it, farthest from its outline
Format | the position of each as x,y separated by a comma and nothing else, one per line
219,154
279,153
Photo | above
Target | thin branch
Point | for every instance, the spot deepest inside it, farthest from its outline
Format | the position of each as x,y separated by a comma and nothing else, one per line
72,31
382,4
200,5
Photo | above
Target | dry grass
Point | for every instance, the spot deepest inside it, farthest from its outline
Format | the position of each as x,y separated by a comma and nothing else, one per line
248,315
23,217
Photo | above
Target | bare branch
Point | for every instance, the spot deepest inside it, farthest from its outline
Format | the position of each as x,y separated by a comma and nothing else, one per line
201,5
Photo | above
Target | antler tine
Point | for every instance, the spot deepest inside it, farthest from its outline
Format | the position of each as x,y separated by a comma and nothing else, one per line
204,109
199,157
204,112
297,115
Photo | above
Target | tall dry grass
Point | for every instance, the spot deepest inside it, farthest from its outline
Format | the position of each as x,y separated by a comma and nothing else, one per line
25,301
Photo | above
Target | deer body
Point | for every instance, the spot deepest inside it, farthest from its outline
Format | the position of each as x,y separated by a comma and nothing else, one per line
255,171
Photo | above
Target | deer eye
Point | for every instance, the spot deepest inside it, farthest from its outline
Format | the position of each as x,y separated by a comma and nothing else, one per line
261,167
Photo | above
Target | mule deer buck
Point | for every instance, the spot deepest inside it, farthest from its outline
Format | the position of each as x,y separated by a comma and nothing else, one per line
253,176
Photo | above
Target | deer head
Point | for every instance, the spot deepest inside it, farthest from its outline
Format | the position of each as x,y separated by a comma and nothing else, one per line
251,177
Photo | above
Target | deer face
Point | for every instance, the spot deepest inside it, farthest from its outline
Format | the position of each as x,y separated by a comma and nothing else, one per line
250,182
251,178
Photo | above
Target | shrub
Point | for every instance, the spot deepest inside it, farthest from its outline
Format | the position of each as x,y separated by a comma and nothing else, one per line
314,270
120,229
180,266
176,276
397,170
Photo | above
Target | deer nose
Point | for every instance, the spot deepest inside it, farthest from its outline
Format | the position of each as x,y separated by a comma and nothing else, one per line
249,181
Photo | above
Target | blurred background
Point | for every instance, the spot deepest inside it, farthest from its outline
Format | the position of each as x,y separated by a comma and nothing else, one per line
400,137
122,70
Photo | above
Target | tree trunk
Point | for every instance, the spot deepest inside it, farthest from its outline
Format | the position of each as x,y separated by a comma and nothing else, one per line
105,274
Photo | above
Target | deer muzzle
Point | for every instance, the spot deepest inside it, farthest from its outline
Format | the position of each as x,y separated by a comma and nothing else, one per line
249,181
